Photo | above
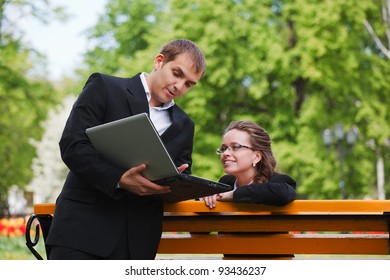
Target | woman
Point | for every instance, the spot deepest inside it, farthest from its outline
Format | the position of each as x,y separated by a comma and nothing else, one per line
249,164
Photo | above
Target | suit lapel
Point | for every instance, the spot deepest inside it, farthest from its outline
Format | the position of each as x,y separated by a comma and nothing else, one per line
139,104
137,97
177,124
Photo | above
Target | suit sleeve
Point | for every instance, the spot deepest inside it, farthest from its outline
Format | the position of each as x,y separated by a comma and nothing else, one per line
278,191
77,151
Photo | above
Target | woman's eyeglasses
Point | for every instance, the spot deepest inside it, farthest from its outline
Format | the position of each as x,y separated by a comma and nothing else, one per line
233,147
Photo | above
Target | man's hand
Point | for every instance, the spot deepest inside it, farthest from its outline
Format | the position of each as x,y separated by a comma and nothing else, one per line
182,167
133,182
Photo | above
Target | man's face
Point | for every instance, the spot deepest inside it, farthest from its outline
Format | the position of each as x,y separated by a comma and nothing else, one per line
170,80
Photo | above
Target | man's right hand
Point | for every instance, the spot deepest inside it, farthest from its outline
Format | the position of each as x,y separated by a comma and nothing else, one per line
133,182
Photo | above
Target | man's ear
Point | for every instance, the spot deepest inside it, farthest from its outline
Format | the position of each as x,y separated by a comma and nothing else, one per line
158,61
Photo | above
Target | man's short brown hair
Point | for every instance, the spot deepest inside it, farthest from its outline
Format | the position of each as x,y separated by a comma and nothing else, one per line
171,49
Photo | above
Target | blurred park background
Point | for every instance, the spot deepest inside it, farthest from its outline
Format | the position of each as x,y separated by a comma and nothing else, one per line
314,74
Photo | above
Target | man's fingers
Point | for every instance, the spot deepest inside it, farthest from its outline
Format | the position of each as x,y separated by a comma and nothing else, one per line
182,167
138,169
151,188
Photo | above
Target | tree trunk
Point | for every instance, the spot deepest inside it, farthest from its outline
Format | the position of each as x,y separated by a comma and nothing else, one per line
380,175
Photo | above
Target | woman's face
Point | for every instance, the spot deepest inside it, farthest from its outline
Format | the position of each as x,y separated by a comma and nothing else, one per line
238,160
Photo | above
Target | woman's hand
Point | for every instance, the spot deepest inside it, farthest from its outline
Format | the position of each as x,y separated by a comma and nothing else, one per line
226,196
210,201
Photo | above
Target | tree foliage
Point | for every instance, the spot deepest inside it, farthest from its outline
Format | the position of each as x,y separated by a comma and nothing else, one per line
24,97
295,67
49,170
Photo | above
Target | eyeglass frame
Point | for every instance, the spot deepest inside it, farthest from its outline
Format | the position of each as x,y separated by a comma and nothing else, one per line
234,147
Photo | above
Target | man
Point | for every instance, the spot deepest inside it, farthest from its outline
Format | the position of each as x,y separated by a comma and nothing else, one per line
103,211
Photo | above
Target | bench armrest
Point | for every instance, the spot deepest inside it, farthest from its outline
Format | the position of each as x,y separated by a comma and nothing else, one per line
44,223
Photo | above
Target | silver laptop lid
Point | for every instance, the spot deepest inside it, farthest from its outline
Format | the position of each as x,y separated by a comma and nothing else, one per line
132,141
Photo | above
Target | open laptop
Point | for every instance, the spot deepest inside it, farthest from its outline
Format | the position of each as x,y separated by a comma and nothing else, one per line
132,141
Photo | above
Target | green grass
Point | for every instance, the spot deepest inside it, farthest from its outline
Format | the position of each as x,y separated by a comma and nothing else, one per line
14,248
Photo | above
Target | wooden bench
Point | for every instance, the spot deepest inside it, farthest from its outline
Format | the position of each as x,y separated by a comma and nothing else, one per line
341,227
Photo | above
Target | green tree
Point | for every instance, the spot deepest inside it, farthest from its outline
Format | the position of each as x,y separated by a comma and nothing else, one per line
24,96
381,141
295,67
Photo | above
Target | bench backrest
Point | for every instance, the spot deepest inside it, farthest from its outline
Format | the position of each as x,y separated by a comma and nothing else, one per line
301,227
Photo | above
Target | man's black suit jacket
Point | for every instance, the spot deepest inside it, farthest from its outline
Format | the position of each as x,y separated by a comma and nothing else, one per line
91,213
